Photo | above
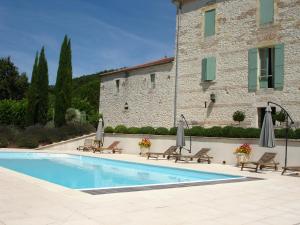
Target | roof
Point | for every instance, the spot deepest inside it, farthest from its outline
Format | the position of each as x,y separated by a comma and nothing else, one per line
141,66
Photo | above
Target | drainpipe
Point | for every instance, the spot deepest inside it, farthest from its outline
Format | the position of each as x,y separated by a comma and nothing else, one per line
179,7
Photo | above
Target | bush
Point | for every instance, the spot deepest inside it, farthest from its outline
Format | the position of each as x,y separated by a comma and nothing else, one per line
133,130
72,115
197,131
147,130
297,134
27,142
161,131
121,129
109,130
238,116
252,132
13,112
280,133
214,132
9,132
173,131
280,116
3,142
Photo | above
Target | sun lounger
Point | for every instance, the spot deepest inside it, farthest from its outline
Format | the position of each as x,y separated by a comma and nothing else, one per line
266,161
87,145
113,148
169,152
290,168
201,156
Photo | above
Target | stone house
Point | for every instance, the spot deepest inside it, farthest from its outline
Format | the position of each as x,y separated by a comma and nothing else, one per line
232,55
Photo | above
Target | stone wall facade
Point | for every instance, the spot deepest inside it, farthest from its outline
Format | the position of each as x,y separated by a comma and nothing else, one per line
237,30
146,106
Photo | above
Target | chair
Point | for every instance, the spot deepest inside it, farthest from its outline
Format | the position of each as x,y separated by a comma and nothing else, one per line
113,148
201,156
87,145
266,160
171,151
290,168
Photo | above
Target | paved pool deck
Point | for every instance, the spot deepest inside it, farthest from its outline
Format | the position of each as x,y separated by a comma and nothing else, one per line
275,200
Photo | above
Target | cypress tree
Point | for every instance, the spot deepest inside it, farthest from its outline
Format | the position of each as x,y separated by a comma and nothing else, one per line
63,86
31,114
42,81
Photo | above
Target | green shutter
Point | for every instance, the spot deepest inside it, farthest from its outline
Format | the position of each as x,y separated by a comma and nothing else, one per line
210,21
264,70
209,69
279,67
204,70
266,11
252,69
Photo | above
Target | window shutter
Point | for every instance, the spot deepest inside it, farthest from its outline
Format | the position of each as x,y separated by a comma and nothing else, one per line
279,67
266,11
209,69
204,70
264,64
252,69
210,21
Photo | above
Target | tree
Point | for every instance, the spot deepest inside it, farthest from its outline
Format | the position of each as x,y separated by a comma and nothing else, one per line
32,94
238,116
63,86
12,84
42,91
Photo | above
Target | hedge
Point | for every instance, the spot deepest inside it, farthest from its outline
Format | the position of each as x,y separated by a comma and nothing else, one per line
33,136
228,131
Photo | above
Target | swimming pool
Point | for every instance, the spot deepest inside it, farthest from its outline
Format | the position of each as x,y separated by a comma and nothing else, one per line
85,173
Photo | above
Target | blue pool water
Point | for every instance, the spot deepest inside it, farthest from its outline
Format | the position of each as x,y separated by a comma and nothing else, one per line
82,172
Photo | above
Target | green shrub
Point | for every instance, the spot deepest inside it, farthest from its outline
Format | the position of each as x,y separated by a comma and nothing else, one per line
94,119
197,131
9,132
109,130
121,129
297,134
147,130
280,133
238,116
13,112
214,132
161,131
72,115
173,131
27,142
280,116
133,130
252,132
3,142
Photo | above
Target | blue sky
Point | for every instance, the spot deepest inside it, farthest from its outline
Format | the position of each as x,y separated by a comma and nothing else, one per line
104,34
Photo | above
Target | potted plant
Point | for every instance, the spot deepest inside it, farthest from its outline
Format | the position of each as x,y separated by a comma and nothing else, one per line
242,153
145,145
238,116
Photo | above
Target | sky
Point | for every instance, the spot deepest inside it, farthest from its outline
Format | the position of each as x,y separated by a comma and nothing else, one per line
104,34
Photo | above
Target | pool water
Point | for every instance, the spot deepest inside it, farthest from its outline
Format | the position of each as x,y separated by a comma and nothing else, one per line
83,172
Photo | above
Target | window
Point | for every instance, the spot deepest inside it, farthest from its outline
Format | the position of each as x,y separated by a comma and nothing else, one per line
118,85
210,23
266,11
266,78
152,78
209,69
266,68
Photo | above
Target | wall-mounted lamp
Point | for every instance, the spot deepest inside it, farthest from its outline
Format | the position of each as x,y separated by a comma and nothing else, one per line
126,107
213,97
